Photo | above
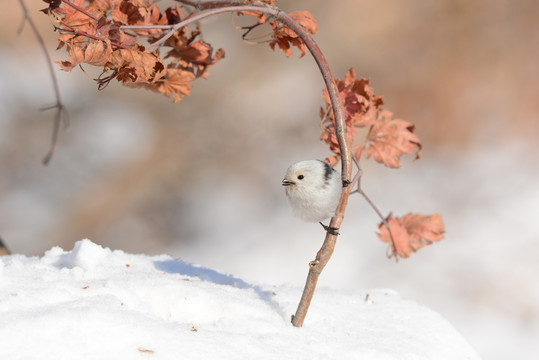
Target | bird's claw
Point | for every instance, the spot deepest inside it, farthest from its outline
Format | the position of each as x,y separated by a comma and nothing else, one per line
330,229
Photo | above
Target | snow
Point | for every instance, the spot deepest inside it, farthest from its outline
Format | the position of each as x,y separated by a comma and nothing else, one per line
96,303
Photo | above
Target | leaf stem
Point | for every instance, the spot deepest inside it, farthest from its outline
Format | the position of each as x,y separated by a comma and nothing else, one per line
357,179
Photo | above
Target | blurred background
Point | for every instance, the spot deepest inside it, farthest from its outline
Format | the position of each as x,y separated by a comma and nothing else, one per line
201,180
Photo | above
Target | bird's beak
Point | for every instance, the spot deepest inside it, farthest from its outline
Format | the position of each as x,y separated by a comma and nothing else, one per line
287,182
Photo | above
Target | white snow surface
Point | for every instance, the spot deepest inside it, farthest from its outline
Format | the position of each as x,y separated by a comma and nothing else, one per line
95,303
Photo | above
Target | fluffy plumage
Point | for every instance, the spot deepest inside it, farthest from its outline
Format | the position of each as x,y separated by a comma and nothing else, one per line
313,190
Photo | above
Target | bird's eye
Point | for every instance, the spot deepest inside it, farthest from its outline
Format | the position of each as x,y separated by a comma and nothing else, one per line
300,177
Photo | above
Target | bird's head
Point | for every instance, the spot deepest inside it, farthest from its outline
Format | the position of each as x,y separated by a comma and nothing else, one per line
307,173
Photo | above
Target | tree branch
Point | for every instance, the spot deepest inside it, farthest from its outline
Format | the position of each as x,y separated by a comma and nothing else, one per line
77,33
324,254
61,113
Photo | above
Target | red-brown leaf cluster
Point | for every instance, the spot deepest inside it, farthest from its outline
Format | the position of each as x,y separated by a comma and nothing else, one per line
163,60
386,138
411,232
92,32
372,131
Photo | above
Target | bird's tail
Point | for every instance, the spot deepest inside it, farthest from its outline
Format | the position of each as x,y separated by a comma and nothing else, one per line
3,248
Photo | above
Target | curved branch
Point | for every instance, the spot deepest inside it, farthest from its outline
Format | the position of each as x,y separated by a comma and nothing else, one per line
285,19
324,254
317,54
173,28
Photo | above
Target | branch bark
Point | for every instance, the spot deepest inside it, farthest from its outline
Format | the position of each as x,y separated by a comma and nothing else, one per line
324,254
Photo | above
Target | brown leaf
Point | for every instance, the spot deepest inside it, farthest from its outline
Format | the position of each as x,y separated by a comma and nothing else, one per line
360,105
389,139
305,19
198,52
358,99
284,37
128,13
176,84
97,52
136,66
53,4
75,19
411,232
76,56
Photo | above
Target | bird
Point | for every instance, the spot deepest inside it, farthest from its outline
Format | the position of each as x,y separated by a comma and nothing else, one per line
313,190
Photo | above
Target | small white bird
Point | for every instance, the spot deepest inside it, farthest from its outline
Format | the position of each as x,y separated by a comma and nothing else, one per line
313,190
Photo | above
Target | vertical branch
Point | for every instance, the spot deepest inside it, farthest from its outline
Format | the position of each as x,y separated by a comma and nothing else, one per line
61,115
324,254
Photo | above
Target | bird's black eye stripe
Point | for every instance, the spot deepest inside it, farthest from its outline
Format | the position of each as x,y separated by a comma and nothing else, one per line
300,177
327,170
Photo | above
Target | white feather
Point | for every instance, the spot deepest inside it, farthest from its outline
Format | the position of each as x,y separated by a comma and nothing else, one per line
313,190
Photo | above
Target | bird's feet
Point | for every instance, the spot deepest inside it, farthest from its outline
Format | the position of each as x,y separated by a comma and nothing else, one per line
330,229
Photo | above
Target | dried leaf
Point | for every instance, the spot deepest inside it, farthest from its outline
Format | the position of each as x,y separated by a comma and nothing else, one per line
97,52
128,13
136,66
284,37
191,55
176,84
360,105
76,56
412,232
389,139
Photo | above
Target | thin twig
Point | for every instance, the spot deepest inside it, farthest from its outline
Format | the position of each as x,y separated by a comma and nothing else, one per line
79,9
359,190
209,4
76,33
250,28
61,113
203,15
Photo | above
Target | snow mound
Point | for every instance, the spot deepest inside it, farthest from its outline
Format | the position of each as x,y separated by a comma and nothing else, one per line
95,303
